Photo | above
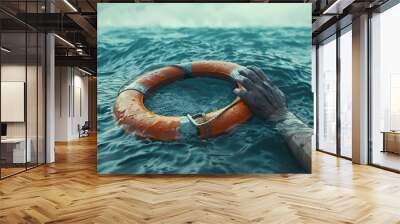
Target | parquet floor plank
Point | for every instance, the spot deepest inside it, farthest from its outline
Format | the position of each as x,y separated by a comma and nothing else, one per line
70,191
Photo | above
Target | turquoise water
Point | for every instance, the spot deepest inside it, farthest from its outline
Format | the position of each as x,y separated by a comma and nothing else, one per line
253,147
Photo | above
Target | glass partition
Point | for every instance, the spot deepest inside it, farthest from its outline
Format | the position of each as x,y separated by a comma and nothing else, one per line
32,100
22,77
31,97
14,153
327,95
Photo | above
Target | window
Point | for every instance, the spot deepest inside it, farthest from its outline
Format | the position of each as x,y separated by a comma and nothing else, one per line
385,89
346,93
327,96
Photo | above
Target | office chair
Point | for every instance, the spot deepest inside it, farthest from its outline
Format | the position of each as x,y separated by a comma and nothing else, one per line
84,130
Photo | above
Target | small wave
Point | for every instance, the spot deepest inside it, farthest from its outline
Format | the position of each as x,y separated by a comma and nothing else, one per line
253,147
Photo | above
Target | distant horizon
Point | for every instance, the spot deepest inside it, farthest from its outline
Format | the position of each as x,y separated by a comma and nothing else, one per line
205,27
204,15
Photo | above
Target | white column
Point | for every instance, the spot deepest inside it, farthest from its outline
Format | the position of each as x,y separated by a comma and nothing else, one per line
50,92
360,90
62,103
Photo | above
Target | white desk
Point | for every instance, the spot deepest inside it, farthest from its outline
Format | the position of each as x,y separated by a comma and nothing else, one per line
18,144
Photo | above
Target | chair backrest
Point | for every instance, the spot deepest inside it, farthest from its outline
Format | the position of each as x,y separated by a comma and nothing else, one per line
86,125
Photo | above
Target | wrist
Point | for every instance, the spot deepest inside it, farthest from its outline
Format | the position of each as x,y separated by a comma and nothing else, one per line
280,115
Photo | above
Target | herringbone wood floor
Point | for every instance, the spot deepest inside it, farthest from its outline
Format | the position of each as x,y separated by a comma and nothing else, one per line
70,191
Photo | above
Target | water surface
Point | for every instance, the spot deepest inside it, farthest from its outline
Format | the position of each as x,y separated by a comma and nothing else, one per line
253,147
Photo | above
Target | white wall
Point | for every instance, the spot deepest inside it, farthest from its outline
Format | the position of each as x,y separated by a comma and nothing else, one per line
11,73
61,103
33,127
80,109
71,102
16,73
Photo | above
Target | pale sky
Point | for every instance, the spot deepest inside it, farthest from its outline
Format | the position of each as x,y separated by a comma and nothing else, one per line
175,15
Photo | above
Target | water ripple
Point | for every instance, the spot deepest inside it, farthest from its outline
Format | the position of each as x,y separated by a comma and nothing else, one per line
254,147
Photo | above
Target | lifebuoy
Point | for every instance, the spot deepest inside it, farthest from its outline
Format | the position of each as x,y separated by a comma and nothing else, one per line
134,117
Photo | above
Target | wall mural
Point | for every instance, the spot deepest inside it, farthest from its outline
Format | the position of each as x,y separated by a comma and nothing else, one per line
204,88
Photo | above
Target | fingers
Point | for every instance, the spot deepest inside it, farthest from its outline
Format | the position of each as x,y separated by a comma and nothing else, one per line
242,93
260,74
256,89
250,75
267,89
281,96
239,92
245,82
268,96
277,97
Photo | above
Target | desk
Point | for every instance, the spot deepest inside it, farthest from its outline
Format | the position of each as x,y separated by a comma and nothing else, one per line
391,141
15,148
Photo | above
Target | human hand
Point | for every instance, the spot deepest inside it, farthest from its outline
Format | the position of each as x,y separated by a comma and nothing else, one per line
264,99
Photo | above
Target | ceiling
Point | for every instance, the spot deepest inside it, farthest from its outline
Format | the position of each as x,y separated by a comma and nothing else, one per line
74,22
332,15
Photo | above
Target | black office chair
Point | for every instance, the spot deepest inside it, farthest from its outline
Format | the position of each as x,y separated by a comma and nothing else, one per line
84,130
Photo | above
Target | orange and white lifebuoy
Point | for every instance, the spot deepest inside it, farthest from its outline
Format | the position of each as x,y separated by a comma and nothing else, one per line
134,117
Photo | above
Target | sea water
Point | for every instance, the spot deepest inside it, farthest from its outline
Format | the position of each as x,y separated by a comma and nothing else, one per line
284,54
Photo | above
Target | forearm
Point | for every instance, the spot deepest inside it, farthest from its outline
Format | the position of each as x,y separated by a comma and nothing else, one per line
298,135
267,101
